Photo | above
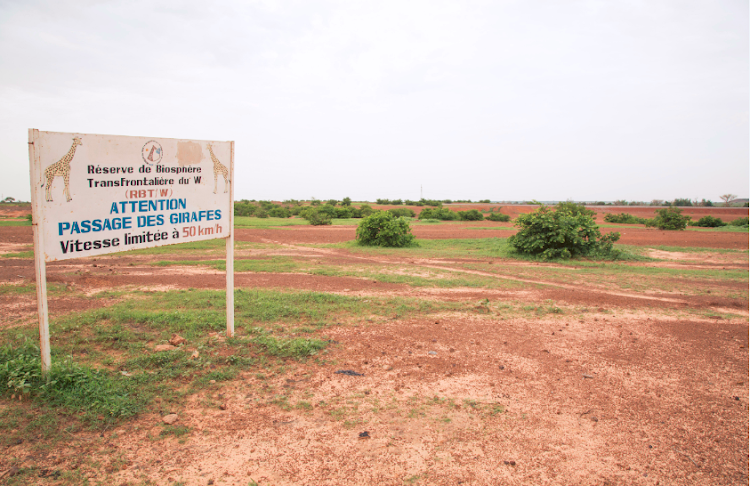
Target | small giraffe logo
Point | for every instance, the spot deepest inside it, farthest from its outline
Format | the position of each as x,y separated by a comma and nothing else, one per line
61,168
219,168
152,152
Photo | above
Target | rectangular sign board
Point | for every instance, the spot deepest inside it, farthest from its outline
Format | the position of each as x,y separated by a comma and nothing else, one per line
98,194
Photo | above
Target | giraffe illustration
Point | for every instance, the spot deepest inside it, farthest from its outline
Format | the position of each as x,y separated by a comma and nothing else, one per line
61,168
218,168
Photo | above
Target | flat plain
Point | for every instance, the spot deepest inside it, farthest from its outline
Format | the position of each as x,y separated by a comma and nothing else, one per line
452,362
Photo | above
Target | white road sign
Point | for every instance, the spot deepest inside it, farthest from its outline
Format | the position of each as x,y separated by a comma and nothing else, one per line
105,193
97,194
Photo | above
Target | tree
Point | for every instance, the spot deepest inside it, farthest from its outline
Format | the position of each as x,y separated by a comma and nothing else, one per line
728,197
346,201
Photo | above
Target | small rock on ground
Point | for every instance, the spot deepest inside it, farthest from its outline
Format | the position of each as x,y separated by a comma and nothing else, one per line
170,419
177,340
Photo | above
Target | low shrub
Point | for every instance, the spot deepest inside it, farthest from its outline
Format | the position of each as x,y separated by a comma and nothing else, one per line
316,217
574,208
484,201
560,234
261,213
343,212
280,212
624,218
670,218
470,215
430,202
244,208
402,212
504,218
384,229
328,210
362,212
443,214
682,201
740,222
708,222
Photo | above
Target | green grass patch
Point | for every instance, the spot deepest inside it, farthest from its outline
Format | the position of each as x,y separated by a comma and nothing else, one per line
252,222
640,250
465,247
6,289
289,348
72,387
720,229
20,254
15,222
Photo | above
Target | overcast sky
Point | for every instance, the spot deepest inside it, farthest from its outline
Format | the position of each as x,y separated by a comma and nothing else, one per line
506,100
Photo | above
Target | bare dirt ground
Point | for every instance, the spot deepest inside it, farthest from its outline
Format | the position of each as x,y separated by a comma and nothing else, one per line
547,381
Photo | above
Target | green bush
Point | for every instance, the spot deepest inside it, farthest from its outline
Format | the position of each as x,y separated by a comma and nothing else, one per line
740,222
624,218
574,208
362,212
443,214
484,201
682,201
709,222
332,202
498,217
430,202
389,202
244,208
560,234
470,215
261,213
343,212
346,201
384,229
316,216
402,212
670,218
280,212
328,210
